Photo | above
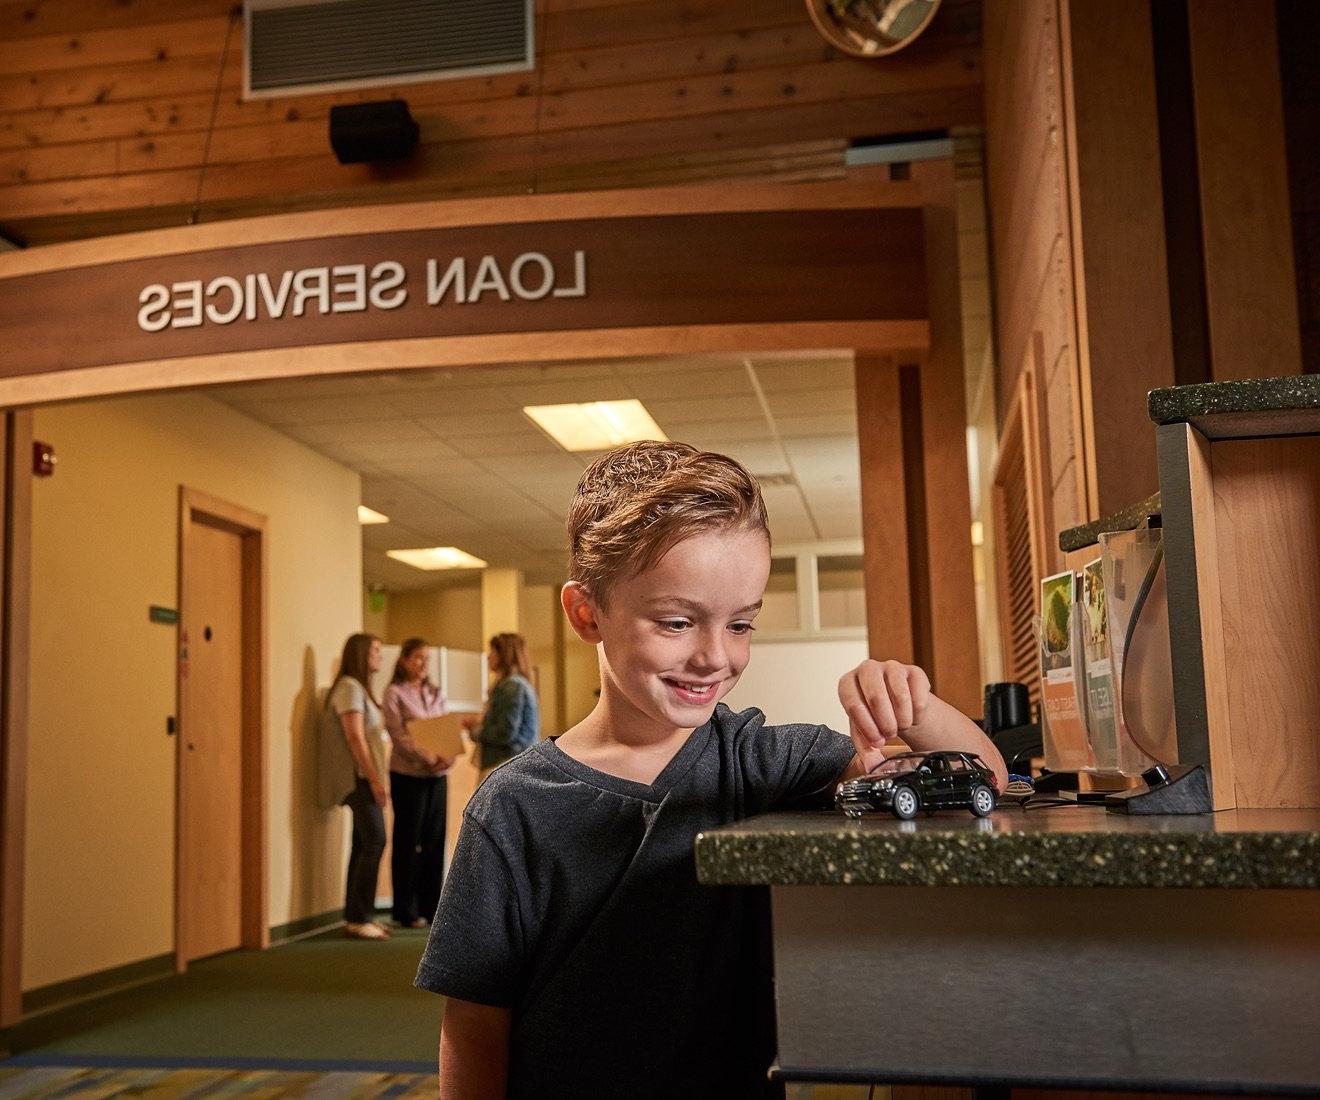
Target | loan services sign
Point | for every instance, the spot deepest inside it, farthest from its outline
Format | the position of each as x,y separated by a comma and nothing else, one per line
585,274
354,288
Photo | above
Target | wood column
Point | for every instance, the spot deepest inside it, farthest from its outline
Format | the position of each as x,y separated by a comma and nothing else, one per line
15,590
1250,277
884,510
955,661
1120,277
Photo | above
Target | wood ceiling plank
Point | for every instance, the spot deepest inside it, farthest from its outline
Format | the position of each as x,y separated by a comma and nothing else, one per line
47,18
114,46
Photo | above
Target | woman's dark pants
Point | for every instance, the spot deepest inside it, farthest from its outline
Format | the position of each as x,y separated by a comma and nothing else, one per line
417,861
364,856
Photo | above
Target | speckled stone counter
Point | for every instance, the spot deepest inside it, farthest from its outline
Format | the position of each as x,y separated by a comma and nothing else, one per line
1251,406
1037,949
1047,846
1088,534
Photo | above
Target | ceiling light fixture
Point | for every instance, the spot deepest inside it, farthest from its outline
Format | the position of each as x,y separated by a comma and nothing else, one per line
437,557
595,425
367,515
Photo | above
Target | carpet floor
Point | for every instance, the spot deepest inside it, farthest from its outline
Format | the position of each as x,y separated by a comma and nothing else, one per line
337,1003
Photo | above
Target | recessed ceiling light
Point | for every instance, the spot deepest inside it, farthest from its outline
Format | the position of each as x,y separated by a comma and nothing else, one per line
367,515
437,557
595,425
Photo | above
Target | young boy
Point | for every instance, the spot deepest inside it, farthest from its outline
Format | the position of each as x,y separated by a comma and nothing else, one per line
579,954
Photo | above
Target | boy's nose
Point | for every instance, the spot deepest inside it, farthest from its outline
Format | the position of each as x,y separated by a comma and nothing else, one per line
709,655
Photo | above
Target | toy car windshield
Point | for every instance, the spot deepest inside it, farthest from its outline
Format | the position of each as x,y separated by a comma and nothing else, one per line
898,765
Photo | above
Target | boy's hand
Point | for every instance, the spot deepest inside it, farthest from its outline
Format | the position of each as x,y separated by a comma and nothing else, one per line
882,699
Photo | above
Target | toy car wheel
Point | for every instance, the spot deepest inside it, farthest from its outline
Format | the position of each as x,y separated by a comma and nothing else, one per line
906,803
983,800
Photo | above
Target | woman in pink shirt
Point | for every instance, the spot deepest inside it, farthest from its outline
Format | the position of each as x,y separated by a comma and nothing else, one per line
417,790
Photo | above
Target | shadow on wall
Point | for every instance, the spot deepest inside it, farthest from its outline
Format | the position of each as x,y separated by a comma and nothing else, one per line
316,863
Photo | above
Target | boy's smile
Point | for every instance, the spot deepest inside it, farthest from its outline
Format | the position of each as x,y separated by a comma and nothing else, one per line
675,638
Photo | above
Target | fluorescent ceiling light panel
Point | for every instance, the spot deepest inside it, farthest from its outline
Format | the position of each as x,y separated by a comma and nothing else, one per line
437,557
367,515
595,425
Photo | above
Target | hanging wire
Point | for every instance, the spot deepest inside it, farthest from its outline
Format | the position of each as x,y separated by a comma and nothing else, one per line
234,14
544,42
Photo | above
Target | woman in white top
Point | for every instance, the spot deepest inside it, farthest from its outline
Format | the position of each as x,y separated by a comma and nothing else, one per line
363,728
417,790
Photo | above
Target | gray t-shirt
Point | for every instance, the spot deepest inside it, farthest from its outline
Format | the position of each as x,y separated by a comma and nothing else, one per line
573,901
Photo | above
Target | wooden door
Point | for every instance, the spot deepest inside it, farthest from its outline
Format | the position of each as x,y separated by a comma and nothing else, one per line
211,749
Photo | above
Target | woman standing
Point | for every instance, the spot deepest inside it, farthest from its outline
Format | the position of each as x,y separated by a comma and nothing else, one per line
417,789
353,704
512,721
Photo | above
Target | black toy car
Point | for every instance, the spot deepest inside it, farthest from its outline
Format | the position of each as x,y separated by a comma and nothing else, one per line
915,781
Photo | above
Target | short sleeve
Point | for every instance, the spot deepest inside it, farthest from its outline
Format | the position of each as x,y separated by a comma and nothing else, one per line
791,767
347,696
476,947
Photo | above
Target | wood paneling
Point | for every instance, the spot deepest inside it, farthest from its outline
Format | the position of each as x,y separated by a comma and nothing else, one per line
15,593
1118,247
1250,282
105,110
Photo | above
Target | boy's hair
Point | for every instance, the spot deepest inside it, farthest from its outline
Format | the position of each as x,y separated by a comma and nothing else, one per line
635,503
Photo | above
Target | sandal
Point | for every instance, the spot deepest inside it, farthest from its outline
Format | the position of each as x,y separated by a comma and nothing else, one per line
365,932
384,928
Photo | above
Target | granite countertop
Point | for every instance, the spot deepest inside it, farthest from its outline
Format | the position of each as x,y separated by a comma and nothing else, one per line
1047,846
1250,406
1130,518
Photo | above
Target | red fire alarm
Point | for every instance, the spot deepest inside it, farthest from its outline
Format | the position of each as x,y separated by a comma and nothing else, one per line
43,459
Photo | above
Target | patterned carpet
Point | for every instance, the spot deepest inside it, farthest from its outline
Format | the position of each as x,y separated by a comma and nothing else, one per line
47,1082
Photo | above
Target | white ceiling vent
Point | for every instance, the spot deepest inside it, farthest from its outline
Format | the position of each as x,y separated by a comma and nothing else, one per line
294,46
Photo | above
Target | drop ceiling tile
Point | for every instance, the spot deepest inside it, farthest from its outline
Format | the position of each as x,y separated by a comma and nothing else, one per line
790,529
697,408
461,425
572,391
760,457
449,401
716,436
392,430
828,375
425,449
811,402
791,427
683,384
838,525
825,460
491,447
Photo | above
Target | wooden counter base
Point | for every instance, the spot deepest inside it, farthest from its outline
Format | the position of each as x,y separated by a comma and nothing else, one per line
1183,990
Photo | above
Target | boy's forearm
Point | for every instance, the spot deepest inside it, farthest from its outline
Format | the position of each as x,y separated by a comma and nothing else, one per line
474,1051
941,727
946,727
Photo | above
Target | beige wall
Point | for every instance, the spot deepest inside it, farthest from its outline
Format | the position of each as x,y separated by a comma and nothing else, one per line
540,626
99,889
448,616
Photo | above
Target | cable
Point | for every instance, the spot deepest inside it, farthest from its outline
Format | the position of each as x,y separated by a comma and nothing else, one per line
215,105
1138,605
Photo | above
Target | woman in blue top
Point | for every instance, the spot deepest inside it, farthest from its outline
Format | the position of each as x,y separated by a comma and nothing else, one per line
512,721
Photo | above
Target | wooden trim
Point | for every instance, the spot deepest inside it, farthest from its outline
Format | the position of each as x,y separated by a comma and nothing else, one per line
1200,478
907,337
15,597
502,210
251,527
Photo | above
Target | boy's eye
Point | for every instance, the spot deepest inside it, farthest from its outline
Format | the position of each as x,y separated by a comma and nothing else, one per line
741,628
674,626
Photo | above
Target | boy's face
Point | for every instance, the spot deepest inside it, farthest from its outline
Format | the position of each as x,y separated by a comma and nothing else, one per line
676,637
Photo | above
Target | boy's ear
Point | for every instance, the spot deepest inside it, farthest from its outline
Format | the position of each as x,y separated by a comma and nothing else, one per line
581,611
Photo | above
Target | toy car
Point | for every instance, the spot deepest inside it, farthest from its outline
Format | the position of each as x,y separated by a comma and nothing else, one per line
915,781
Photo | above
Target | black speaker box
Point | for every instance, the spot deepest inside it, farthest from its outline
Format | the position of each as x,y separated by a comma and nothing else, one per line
363,133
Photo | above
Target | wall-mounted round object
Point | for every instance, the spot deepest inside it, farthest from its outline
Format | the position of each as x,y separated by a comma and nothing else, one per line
871,28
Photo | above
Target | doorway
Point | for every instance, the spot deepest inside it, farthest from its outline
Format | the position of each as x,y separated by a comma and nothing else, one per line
221,817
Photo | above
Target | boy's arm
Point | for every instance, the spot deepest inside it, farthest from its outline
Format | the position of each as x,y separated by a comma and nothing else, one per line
885,700
474,1051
